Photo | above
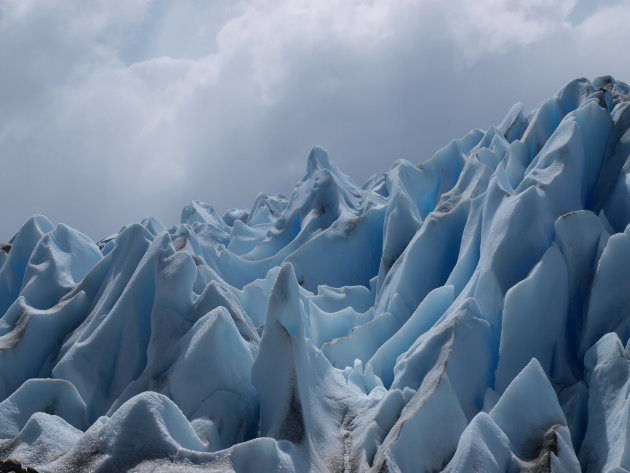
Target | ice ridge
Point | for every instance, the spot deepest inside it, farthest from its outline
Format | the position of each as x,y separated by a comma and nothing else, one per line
468,314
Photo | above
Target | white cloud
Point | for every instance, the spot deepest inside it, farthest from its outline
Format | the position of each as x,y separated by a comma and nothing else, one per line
486,26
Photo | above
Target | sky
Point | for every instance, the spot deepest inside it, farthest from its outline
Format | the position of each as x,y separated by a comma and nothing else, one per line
113,111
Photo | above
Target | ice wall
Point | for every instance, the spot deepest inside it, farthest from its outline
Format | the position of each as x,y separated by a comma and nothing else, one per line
468,314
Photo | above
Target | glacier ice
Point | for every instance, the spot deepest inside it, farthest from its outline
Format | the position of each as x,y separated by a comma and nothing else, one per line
468,314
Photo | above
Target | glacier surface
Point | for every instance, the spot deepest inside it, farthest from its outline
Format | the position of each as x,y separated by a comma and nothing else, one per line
469,314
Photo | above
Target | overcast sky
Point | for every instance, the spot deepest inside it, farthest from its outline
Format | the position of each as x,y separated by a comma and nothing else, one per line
111,111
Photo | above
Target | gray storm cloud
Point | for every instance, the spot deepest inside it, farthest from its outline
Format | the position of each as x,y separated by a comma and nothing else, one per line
114,111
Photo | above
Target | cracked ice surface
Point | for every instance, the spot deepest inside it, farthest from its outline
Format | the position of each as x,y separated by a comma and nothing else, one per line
470,314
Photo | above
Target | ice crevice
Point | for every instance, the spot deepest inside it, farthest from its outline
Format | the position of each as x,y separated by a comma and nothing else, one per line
467,314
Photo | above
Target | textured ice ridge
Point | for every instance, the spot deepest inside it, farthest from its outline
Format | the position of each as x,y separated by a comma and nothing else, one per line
469,314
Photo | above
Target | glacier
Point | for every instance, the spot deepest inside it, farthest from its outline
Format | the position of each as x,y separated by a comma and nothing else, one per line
467,314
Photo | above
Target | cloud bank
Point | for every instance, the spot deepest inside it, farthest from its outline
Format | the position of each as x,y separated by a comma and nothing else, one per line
114,111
